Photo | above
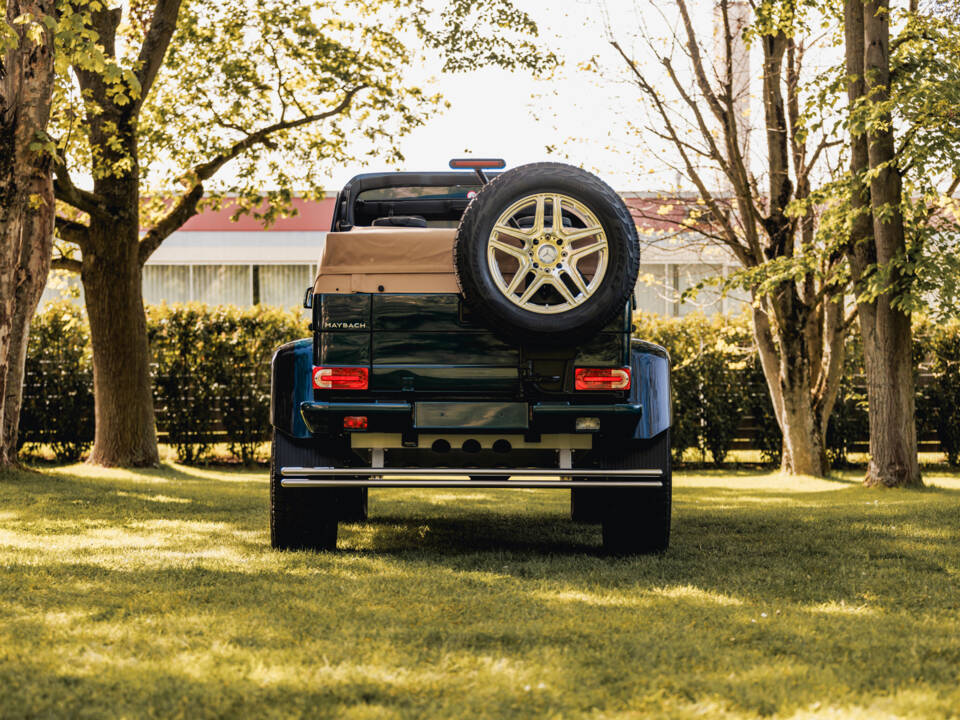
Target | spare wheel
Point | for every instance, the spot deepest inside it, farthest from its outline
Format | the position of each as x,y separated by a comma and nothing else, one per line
546,254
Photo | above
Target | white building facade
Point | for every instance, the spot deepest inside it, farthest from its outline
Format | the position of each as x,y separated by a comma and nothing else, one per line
217,261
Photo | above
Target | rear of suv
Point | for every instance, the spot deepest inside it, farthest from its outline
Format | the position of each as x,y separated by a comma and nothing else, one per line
467,333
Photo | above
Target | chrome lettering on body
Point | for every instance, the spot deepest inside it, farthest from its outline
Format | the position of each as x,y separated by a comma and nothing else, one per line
345,326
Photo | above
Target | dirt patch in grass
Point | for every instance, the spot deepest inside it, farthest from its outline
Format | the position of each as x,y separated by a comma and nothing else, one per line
155,593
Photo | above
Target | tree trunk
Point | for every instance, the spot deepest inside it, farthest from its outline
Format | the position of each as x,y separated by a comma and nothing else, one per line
888,345
804,451
787,376
11,221
26,194
33,269
890,396
111,271
831,370
13,389
125,433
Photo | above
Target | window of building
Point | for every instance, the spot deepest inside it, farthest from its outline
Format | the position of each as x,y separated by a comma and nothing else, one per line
222,284
283,285
652,289
244,285
708,299
166,283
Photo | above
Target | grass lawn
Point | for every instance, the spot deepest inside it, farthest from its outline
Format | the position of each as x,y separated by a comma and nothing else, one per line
154,593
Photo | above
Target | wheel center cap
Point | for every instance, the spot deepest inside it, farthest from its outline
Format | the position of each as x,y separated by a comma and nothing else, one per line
547,253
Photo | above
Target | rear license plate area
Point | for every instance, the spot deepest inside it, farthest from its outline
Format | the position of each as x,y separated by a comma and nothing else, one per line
473,415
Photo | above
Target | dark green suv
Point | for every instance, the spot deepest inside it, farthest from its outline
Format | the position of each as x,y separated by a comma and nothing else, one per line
473,329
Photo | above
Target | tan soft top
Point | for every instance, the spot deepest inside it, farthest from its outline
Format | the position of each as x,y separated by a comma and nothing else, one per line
388,259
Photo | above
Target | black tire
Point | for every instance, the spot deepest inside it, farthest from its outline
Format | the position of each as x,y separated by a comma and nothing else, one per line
503,316
307,518
353,505
586,504
635,520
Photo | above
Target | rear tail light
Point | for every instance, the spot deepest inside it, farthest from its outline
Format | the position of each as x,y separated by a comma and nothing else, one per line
355,422
602,378
340,378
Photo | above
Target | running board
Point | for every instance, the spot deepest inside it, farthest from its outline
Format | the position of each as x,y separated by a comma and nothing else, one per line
301,477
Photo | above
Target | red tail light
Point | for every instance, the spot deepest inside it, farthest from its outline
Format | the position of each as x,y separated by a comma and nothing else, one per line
355,422
601,378
341,378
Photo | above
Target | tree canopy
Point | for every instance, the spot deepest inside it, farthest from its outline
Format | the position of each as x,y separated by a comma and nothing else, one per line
282,91
175,91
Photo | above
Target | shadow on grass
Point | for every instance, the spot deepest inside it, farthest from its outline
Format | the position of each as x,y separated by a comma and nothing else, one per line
834,548
473,532
155,593
142,494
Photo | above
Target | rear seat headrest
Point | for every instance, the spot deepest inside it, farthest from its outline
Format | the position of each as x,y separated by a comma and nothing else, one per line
401,221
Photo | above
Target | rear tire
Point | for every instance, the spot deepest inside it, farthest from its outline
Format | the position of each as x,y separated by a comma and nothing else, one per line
354,503
306,518
635,521
586,505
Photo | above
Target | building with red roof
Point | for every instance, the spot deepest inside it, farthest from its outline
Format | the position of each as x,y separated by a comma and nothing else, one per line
216,259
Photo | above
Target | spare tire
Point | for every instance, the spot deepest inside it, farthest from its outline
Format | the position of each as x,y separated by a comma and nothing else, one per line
546,254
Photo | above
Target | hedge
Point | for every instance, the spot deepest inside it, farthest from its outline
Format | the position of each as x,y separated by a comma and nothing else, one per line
211,379
717,382
938,402
58,388
212,382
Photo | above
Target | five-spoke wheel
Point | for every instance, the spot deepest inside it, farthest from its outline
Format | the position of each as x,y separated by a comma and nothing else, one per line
547,253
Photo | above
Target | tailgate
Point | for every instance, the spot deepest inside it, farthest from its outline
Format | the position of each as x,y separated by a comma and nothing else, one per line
428,343
414,343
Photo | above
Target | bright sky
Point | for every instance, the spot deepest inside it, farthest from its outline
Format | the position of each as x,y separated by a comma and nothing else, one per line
576,113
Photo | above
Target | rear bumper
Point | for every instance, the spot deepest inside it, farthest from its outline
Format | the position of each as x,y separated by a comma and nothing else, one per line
643,414
543,417
302,477
327,417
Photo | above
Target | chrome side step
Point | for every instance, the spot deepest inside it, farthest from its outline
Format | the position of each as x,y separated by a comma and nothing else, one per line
301,477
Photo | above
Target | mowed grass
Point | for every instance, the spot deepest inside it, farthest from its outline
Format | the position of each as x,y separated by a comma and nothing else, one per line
155,594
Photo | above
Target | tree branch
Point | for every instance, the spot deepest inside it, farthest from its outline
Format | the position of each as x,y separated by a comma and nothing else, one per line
71,231
824,144
723,221
850,319
798,147
681,227
929,210
64,263
186,207
715,153
953,186
183,210
692,148
730,121
84,200
694,49
105,22
162,25
734,166
905,142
